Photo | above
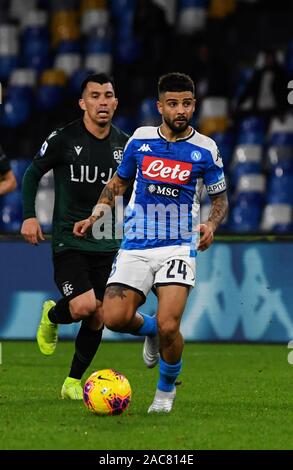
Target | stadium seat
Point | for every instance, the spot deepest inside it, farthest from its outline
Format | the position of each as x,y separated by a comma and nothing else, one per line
44,208
14,111
19,167
94,4
99,62
64,26
245,216
19,8
246,160
252,187
277,217
225,142
11,214
93,20
69,47
53,77
280,187
219,9
191,19
77,78
213,115
48,96
148,114
280,155
68,62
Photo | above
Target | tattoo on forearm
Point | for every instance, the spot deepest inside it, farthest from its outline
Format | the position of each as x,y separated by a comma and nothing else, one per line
219,209
108,194
115,291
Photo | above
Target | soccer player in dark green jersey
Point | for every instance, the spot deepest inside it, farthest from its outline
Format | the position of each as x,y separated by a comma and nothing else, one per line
84,156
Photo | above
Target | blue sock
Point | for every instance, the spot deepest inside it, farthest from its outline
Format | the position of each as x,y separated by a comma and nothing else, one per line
168,375
149,326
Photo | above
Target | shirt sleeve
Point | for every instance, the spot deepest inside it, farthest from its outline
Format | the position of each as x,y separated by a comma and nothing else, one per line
214,178
127,168
49,154
4,163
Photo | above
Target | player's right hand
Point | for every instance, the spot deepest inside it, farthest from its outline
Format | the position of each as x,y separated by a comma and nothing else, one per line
31,231
80,228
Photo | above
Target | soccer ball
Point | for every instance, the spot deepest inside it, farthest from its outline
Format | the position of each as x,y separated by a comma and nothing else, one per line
107,392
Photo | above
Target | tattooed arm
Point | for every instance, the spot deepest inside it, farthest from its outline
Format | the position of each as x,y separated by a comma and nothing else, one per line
217,214
116,187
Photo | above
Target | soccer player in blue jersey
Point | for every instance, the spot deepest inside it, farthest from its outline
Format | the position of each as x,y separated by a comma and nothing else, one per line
169,164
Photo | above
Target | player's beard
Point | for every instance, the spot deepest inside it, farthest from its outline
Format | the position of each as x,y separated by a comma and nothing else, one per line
180,127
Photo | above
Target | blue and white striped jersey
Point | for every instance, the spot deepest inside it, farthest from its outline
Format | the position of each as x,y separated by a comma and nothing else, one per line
169,176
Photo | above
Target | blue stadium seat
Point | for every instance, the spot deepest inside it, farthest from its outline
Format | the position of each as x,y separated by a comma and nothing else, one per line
19,167
119,7
247,159
280,188
68,46
49,96
77,78
225,142
126,123
11,214
148,112
281,138
245,216
7,64
277,218
95,45
14,111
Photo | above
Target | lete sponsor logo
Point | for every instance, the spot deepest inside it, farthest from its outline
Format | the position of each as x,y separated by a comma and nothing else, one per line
165,170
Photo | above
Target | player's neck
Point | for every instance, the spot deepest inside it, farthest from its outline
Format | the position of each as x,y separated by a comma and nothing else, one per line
172,136
97,131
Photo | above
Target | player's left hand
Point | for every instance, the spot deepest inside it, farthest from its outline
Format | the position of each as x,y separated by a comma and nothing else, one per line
206,230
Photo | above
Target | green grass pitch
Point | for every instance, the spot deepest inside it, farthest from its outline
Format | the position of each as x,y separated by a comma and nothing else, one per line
231,397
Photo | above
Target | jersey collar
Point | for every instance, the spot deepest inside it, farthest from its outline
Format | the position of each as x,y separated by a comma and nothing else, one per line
191,134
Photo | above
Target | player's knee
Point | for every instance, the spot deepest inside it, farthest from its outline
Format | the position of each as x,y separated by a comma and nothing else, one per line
115,320
83,309
168,330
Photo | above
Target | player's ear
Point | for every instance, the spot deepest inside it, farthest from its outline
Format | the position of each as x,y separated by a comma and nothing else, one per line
82,104
116,104
159,106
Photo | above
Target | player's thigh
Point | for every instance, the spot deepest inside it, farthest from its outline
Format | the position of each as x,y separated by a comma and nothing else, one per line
132,269
100,268
84,305
72,273
119,305
171,304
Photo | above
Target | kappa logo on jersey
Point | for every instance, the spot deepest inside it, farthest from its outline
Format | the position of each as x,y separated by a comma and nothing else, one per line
145,148
165,170
44,148
162,190
67,288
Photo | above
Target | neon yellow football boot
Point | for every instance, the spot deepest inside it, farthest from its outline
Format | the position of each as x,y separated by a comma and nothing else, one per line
72,389
47,332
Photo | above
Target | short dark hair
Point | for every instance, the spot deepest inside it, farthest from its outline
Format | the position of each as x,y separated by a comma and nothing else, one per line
97,78
175,81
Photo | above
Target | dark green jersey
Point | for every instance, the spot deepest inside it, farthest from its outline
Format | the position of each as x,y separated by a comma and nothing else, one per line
82,165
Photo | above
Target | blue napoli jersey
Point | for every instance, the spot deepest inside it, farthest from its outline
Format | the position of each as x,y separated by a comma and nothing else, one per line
169,177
